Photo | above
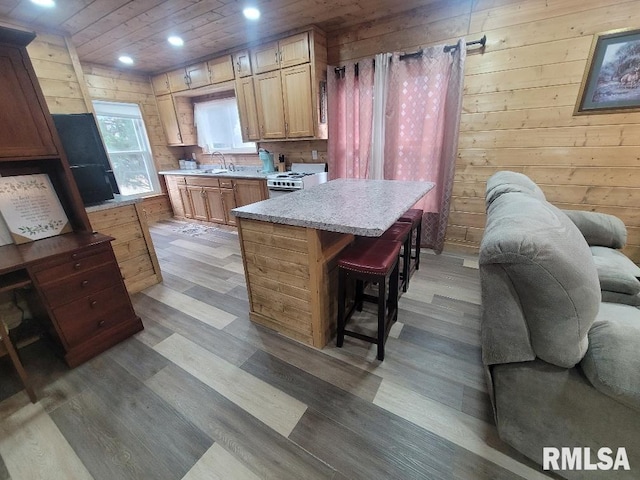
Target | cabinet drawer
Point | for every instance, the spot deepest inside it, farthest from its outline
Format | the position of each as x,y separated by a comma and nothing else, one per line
81,284
89,316
202,181
226,183
70,264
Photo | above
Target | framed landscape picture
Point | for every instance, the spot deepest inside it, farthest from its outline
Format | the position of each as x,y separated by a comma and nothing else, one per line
611,83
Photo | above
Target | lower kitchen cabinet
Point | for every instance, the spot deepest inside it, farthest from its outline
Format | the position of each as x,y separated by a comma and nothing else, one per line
208,199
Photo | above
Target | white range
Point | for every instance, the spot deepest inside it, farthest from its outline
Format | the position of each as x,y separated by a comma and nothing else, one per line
302,175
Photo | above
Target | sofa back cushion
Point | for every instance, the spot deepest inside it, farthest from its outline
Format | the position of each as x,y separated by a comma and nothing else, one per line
509,182
554,282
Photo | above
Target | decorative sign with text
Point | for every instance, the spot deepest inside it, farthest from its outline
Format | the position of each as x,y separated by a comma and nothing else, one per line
31,208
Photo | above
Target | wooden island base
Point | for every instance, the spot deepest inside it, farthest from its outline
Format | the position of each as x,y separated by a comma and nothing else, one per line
292,278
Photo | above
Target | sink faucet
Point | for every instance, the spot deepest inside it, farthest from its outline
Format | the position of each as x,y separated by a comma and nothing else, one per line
224,161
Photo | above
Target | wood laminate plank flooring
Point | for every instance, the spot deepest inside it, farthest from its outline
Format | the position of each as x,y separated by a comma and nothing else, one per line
203,393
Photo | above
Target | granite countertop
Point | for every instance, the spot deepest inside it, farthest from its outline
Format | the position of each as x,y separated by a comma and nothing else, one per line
253,172
359,207
117,201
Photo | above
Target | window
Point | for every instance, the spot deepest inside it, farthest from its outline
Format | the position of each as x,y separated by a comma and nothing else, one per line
218,127
127,145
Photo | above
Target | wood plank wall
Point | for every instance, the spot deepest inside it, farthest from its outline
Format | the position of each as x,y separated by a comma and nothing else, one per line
518,103
120,86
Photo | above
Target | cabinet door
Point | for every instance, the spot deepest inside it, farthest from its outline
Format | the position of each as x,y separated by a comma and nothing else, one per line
174,195
214,205
198,202
169,119
265,58
269,103
198,75
186,201
186,123
294,50
221,69
23,113
229,203
250,191
246,97
178,80
242,63
160,84
298,104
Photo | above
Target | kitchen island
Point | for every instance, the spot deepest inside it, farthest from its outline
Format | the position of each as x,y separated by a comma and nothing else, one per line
290,245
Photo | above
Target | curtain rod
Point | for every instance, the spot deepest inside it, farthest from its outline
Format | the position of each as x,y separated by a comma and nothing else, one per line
447,48
482,41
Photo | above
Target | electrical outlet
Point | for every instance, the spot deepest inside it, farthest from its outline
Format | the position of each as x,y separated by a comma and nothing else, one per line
314,154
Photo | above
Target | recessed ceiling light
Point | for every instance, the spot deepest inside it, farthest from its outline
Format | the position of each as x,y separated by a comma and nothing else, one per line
175,41
44,3
126,59
251,13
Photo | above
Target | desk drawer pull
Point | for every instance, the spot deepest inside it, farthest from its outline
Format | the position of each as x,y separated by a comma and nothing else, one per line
74,256
101,323
77,265
93,303
84,283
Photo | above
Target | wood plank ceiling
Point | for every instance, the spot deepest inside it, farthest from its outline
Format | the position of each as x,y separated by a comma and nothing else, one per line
102,30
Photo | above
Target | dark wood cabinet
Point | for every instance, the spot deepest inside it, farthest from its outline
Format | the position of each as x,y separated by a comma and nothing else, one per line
76,275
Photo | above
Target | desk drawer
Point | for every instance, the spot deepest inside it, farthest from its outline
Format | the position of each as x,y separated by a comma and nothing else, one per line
82,319
81,284
71,264
203,181
226,183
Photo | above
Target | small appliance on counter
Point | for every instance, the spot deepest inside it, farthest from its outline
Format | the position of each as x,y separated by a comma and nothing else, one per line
302,175
267,161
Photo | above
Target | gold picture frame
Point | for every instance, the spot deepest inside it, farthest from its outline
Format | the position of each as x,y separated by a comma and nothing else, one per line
611,81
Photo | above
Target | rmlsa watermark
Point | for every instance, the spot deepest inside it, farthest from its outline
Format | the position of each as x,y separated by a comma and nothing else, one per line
582,458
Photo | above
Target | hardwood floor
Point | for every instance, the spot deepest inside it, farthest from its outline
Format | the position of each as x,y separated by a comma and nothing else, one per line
203,393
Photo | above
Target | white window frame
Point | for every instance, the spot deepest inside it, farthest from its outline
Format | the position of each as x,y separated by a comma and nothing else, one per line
130,111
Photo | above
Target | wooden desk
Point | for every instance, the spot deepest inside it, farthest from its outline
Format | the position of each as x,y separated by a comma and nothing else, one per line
78,280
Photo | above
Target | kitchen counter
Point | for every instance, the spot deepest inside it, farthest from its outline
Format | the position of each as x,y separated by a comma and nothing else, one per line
250,173
291,245
357,207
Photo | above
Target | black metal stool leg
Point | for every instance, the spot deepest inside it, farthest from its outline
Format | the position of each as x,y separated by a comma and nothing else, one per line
342,294
382,315
418,238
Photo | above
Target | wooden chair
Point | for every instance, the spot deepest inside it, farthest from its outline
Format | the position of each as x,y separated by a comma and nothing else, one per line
6,347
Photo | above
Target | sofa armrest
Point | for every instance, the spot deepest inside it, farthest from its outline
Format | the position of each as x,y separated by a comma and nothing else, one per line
599,228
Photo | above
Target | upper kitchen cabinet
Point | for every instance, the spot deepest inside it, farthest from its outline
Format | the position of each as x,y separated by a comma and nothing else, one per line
284,53
178,80
161,84
247,111
221,69
269,105
198,75
176,116
289,101
242,63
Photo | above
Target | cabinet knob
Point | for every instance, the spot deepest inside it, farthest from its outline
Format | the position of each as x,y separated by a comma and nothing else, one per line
77,265
93,303
238,65
74,256
84,283
101,323
276,56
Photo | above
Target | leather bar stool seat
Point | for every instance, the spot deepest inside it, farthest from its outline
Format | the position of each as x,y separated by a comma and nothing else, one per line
414,217
401,232
376,261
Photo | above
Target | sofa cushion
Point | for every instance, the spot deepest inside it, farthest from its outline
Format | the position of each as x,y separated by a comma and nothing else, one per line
615,279
615,297
599,228
612,362
617,258
510,182
554,278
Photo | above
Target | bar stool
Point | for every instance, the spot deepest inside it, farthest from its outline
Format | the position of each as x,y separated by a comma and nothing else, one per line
401,232
369,260
414,217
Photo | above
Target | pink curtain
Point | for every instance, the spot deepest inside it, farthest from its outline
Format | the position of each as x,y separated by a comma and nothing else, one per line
422,122
350,110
